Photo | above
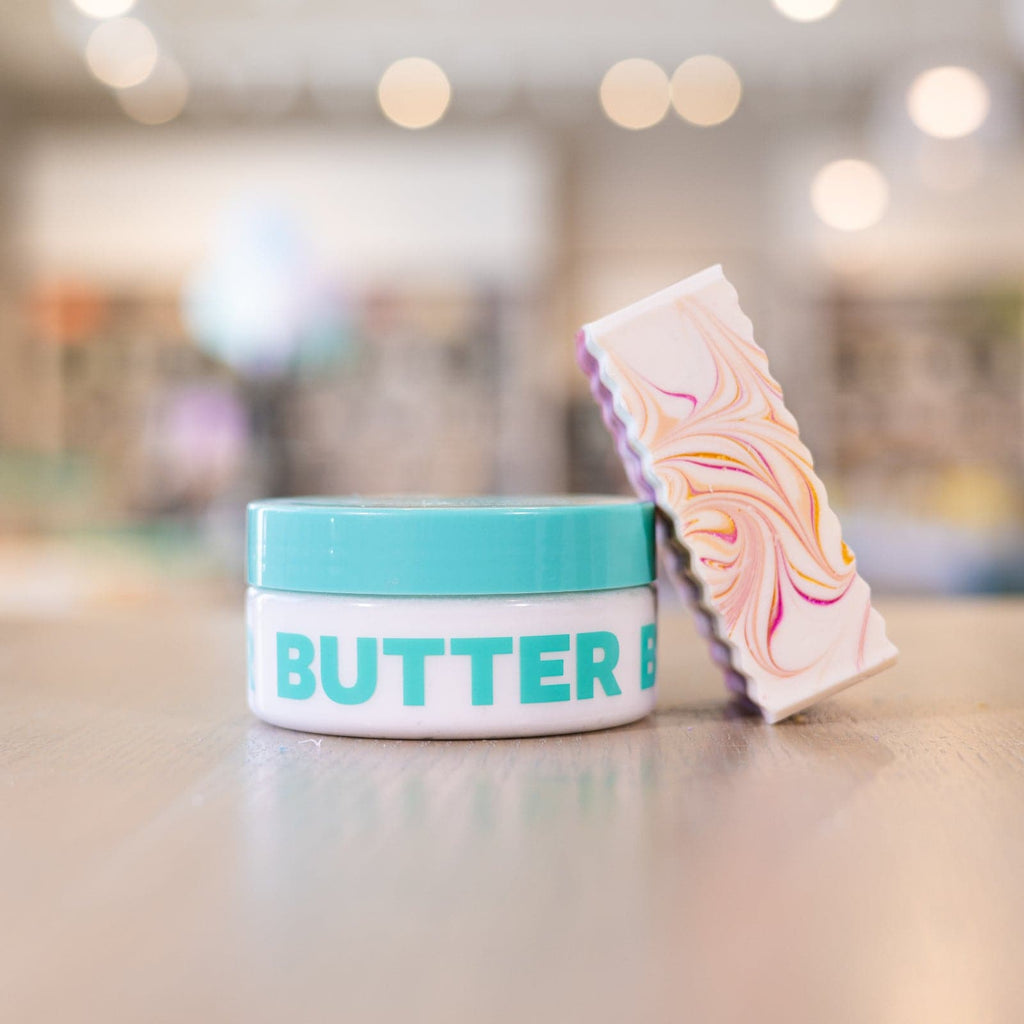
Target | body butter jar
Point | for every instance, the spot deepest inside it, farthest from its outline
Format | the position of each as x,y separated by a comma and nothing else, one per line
451,618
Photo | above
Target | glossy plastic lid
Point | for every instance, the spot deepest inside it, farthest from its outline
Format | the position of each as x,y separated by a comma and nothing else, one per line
437,546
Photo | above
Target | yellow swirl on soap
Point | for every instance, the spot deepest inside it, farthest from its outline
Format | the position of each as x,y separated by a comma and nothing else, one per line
707,421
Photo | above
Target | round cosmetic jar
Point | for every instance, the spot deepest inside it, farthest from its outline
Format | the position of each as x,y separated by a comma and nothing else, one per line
451,618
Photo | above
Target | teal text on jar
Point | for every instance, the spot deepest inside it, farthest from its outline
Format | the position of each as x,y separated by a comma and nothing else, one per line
549,665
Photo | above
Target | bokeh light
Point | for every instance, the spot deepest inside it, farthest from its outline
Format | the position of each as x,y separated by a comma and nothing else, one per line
948,102
104,8
121,52
158,99
635,93
259,302
805,10
706,90
850,195
414,92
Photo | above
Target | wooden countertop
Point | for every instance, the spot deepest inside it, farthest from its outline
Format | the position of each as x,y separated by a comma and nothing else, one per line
166,857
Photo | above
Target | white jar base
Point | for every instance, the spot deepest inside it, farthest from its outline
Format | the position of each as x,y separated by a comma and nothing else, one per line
451,667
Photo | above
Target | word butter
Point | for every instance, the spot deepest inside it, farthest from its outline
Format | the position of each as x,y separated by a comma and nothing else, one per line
550,667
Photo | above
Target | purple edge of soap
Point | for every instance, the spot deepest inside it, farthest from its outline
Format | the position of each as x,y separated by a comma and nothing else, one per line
735,681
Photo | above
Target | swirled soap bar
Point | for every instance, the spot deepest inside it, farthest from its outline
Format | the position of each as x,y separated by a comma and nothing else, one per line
702,428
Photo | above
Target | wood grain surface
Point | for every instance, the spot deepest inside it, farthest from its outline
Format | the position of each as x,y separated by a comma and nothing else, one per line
166,857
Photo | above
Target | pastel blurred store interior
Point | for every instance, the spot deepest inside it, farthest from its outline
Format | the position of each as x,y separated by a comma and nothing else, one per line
298,246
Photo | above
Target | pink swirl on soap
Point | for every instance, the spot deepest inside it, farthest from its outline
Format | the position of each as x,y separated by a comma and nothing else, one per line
740,487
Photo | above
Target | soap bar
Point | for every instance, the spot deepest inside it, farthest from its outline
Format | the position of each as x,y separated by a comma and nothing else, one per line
702,430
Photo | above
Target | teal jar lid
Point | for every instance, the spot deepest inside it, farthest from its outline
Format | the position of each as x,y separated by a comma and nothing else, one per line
446,547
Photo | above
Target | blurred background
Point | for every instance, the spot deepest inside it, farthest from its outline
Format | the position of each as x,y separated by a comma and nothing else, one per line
307,246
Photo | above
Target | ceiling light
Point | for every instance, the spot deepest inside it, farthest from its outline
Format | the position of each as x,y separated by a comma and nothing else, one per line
706,90
806,10
104,8
850,195
414,92
121,52
635,93
160,98
948,102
